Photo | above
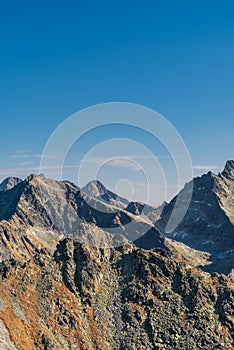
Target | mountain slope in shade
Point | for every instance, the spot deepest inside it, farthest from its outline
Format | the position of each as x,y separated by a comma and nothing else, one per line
138,208
209,222
155,214
9,183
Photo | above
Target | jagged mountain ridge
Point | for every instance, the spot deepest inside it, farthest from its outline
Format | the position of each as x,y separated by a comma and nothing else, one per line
209,222
62,206
58,292
46,204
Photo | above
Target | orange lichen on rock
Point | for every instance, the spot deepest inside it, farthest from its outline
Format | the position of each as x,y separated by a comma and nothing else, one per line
17,329
100,339
139,308
183,319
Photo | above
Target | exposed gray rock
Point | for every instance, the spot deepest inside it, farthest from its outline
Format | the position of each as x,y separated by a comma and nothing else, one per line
9,183
17,310
137,208
209,222
5,342
96,189
2,304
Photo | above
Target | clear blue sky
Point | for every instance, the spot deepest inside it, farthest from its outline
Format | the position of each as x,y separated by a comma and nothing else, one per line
173,56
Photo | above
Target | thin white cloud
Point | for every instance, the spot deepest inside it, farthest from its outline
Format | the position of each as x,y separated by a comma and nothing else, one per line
206,167
31,156
124,163
25,163
29,170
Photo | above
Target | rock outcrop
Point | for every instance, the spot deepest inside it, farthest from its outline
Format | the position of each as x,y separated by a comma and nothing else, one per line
9,183
79,297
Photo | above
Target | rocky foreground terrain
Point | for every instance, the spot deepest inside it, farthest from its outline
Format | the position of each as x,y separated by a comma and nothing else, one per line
71,277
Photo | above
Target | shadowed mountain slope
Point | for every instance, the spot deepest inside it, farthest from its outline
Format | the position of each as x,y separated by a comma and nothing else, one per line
209,222
9,183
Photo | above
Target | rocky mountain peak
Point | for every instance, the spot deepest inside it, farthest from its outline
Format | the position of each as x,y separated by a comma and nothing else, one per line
95,187
209,221
33,178
228,171
9,183
97,190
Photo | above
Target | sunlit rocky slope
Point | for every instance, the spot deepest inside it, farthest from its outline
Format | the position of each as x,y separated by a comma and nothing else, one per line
72,279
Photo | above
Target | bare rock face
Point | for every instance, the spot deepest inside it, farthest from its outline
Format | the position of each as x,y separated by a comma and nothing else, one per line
141,209
138,208
228,171
209,222
96,189
9,183
66,284
224,189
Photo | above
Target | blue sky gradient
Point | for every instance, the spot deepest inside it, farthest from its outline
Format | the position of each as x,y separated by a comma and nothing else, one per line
176,57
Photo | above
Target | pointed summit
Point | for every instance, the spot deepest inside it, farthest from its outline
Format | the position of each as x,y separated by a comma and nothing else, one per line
9,183
209,221
97,190
228,171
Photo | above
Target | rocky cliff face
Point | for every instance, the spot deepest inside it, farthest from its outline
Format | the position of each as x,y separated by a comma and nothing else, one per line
65,285
209,222
138,208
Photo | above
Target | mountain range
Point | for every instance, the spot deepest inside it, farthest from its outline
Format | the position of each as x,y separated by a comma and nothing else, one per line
83,268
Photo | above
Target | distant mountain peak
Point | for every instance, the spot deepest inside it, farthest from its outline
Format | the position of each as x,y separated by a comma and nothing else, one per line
95,187
97,190
228,171
35,177
209,221
9,183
